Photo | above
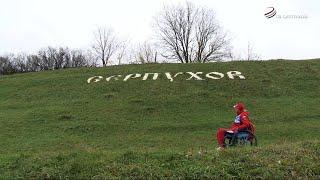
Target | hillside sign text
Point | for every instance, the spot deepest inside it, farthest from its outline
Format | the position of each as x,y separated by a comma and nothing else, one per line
198,76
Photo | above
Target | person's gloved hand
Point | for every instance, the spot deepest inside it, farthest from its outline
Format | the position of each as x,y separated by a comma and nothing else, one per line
235,130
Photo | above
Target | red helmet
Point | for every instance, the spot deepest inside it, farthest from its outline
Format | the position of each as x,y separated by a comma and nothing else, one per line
239,106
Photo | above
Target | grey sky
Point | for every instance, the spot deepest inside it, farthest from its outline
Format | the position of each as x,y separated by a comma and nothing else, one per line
28,25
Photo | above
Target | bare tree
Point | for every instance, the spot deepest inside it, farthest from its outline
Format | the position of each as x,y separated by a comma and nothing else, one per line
33,63
251,55
62,57
19,62
6,65
46,59
77,58
92,60
105,44
52,58
191,34
246,54
45,63
146,53
122,51
211,43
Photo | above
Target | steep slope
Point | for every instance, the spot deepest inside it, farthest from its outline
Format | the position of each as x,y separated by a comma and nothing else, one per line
56,124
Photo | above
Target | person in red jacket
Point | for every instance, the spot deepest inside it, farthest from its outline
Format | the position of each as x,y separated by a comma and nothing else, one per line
241,122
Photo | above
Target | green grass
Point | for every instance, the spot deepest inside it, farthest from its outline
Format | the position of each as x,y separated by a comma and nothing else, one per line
54,125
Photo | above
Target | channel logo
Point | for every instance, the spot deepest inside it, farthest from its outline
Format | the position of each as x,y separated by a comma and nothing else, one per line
270,12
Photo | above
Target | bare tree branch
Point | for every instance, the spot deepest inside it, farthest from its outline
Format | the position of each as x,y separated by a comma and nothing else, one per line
105,44
191,34
146,53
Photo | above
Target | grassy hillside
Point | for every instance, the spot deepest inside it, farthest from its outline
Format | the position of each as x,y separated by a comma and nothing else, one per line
55,125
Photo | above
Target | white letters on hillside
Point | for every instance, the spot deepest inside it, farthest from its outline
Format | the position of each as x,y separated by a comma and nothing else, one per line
168,75
233,74
132,76
115,77
194,75
155,76
215,75
95,79
198,76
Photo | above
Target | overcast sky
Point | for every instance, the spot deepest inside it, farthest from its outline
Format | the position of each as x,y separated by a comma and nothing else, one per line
28,25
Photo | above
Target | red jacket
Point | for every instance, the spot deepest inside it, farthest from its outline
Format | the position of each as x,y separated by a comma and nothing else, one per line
242,122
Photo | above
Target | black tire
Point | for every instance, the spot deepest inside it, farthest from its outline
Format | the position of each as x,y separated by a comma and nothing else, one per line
254,140
234,141
229,141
